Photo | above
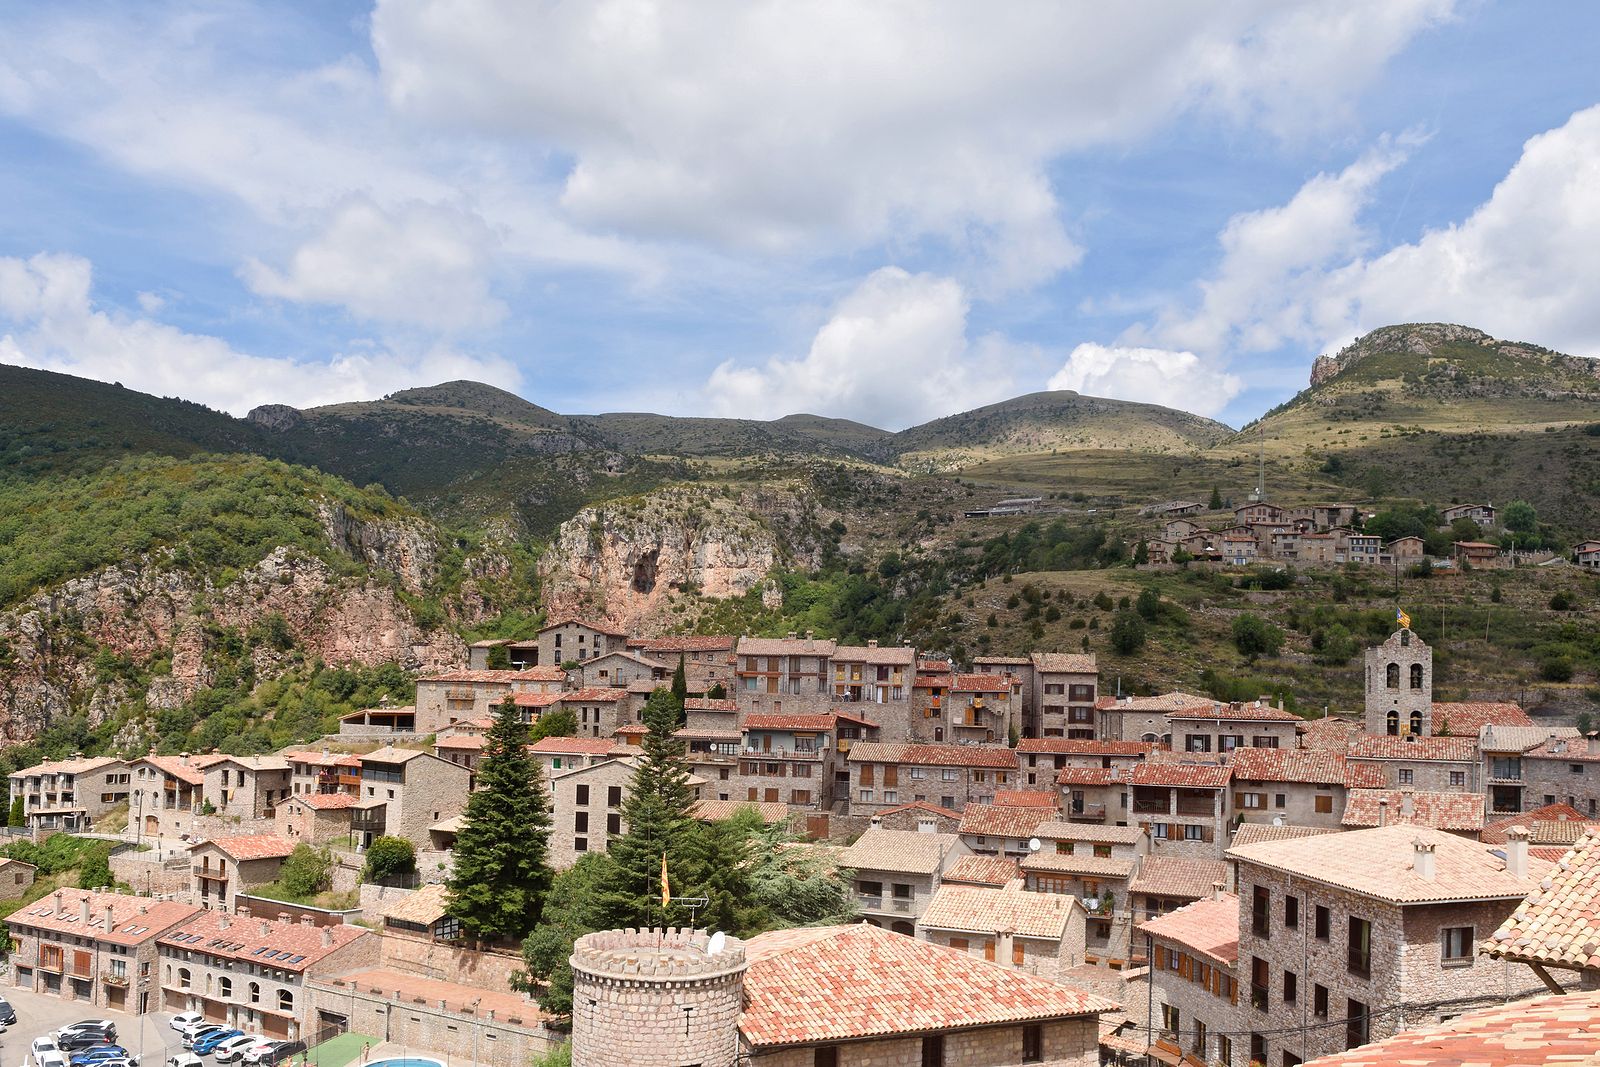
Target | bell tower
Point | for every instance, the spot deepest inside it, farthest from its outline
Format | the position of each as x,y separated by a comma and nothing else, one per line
1400,686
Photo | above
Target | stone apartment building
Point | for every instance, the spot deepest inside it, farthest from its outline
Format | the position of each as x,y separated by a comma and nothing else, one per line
707,659
326,772
404,792
1193,989
1021,670
166,792
713,740
1036,933
1482,514
897,873
249,972
797,759
246,787
619,670
886,775
1145,719
315,817
223,867
451,696
999,830
774,675
69,794
930,698
1223,728
1587,555
1371,932
870,674
97,948
586,807
1094,794
1301,787
557,755
1430,764
981,709
1040,757
572,640
1065,690
599,711
1096,865
1184,807
1534,766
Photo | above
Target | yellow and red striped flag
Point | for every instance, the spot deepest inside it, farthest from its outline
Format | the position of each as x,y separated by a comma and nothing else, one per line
666,889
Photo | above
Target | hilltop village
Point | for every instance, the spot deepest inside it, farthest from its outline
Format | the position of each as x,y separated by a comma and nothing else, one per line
1126,880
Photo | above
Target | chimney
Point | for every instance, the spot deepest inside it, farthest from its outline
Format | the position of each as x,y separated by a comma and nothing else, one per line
184,757
1422,861
243,913
223,919
1408,805
1517,852
327,937
1003,954
144,909
83,910
1383,811
60,907
877,822
793,635
1218,890
872,642
307,920
111,922
266,928
283,916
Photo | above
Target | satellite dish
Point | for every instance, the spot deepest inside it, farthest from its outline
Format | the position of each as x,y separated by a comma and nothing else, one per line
1277,820
715,945
1034,844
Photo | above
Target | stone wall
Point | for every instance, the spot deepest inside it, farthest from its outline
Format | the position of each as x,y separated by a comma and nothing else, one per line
150,878
418,955
442,1031
1067,1043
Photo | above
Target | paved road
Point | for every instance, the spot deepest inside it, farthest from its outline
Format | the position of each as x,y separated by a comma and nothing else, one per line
39,1014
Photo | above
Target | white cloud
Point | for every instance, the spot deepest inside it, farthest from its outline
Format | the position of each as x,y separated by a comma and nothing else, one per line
1179,380
784,125
419,264
893,353
51,323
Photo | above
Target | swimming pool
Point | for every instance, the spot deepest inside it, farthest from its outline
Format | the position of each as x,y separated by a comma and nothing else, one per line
408,1061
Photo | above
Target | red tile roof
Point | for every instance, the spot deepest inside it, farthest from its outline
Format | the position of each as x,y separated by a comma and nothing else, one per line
1064,663
838,983
1363,775
1494,831
537,700
1209,927
563,746
326,801
980,909
1064,746
1466,718
1184,775
476,997
1256,712
597,627
1313,767
1441,749
981,870
708,704
527,674
1175,876
1442,811
994,820
1090,775
1026,798
323,759
921,805
1559,923
934,755
685,643
1329,732
981,683
134,920
284,946
246,847
594,695
474,742
822,722
1542,1032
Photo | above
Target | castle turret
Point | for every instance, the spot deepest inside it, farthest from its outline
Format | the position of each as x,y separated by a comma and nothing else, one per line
656,998
1400,686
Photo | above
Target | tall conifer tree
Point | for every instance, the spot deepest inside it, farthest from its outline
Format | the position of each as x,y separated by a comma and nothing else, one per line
502,870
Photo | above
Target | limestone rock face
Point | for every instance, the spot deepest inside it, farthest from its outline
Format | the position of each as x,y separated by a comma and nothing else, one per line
624,561
1424,339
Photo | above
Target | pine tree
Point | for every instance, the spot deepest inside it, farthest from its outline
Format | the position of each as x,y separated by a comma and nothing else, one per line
502,871
658,813
1215,504
680,684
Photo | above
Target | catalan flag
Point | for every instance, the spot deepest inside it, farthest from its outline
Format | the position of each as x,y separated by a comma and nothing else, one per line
666,888
1399,616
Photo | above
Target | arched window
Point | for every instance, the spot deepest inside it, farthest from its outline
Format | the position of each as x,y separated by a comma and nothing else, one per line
1416,723
169,974
285,1000
183,978
255,993
1416,676
1394,676
208,984
224,987
1394,723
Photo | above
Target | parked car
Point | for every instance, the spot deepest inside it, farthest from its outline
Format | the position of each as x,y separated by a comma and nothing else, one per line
184,1059
86,1033
97,1053
8,1014
199,1032
43,1045
231,1049
272,1052
52,1058
185,1021
208,1044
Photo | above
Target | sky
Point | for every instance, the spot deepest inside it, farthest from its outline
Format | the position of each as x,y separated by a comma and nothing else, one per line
886,212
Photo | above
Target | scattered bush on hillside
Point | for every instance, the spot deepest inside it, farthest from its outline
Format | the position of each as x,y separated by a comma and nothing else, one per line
1255,637
1127,633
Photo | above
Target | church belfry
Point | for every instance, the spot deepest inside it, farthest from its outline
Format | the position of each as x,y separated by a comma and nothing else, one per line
1400,686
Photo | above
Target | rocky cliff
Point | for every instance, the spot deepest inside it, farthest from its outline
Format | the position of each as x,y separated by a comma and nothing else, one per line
1441,339
626,561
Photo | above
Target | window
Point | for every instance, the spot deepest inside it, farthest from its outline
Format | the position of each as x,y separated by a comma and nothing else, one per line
580,844
1199,1037
1260,912
285,1000
580,821
255,993
933,1050
1393,676
1406,776
1319,1000
825,1057
1018,954
1458,777
1251,800
1197,743
1360,945
1193,832
902,891
871,889
1224,1049
1324,803
948,774
1291,912
1259,976
1033,1043
1258,1048
1291,987
960,944
1321,923
1102,852
613,796
891,796
583,794
1416,676
1357,1029
1455,947
1280,800
614,825
1171,1019
224,987
866,796
183,978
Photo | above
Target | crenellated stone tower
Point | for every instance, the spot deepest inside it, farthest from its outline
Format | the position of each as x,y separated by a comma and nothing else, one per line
1400,686
656,998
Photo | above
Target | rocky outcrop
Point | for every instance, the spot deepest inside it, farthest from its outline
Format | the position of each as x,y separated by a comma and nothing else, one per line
1427,339
275,417
626,561
405,547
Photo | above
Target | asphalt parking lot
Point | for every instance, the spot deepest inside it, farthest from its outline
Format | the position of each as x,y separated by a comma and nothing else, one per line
39,1014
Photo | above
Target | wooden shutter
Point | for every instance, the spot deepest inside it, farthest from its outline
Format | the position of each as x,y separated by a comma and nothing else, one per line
866,774
988,950
891,776
1018,955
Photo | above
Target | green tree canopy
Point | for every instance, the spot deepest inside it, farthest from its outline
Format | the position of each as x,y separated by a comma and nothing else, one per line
571,910
307,872
389,857
502,873
96,871
1255,637
1127,632
563,722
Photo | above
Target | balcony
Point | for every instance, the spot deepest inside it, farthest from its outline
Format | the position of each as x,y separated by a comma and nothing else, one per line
52,964
1152,807
814,754
1196,807
1087,813
902,904
118,980
215,874
871,903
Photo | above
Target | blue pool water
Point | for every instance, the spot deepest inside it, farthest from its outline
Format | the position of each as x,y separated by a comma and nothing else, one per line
409,1061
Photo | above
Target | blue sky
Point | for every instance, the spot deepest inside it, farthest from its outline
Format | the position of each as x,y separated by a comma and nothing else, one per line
883,212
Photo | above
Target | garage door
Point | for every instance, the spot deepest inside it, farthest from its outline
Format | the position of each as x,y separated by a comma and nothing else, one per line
172,1000
274,1025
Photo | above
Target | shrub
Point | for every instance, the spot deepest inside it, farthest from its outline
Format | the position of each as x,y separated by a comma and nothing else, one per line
389,857
1127,633
307,872
1555,669
1148,604
1562,601
1254,636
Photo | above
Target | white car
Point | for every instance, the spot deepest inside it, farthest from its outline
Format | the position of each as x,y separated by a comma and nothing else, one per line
42,1045
49,1059
231,1049
185,1021
184,1059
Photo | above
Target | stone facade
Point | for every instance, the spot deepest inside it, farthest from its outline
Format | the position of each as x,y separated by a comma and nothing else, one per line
217,877
404,792
456,695
619,670
247,787
459,1024
1563,772
574,641
304,818
69,794
1063,1043
886,776
1399,686
1064,693
777,675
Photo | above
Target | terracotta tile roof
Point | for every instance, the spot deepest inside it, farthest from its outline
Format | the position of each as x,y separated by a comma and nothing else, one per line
940,666
573,746
317,759
921,805
1082,864
598,627
1494,831
426,905
185,770
1175,876
1026,798
594,694
1559,833
1379,863
326,801
1527,738
1442,811
1065,746
786,646
1209,927
1251,832
718,810
1312,767
478,997
1256,712
1329,732
537,700
685,643
707,704
926,680
1543,1032
1185,775
1090,775
981,683
1559,923
81,765
852,717
472,742
1468,717
1163,703
1563,749
1095,832
821,723
527,674
246,847
631,729
995,820
888,655
902,851
1065,663
981,870
1359,775
1440,749
134,920
631,657
999,661
977,909
843,982
934,755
